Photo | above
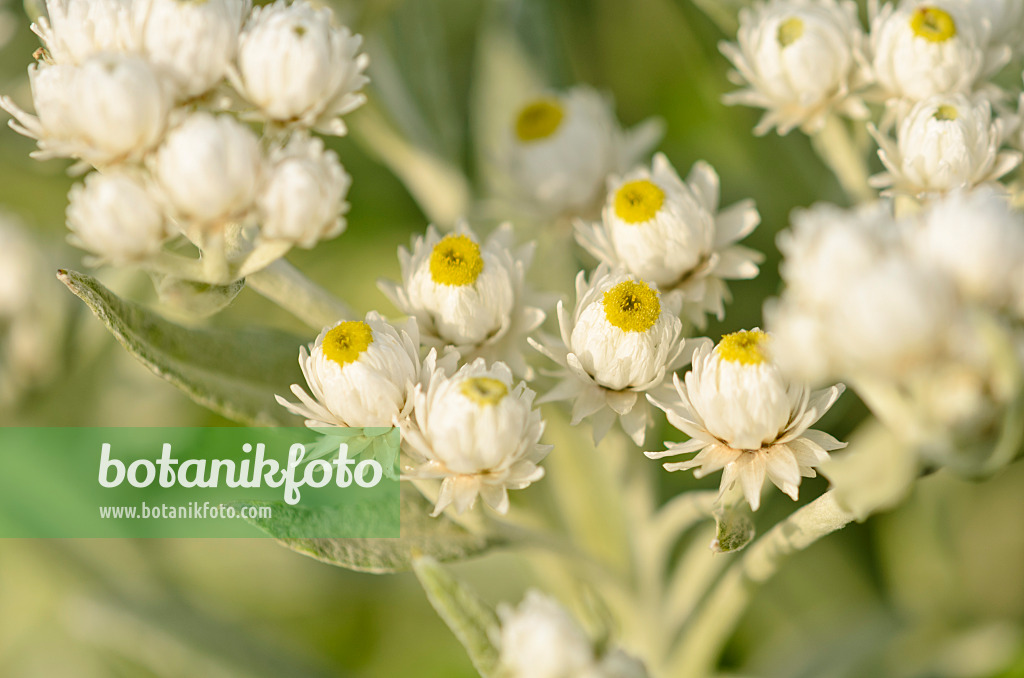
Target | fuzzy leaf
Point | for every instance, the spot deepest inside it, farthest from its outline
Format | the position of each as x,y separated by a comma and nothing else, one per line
234,373
735,529
472,621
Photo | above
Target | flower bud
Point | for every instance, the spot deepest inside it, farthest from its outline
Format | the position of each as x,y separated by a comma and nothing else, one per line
74,30
115,217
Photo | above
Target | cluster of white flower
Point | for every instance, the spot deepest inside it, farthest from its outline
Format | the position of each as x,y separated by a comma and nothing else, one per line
161,97
930,63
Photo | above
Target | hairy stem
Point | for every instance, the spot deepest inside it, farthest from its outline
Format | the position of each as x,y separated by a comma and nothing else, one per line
287,287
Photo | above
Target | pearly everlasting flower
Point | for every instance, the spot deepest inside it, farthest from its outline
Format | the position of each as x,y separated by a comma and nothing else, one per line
945,143
114,216
745,419
560,147
74,30
360,373
921,49
469,295
977,239
801,60
671,233
298,68
477,432
622,340
539,639
303,197
111,108
208,168
194,41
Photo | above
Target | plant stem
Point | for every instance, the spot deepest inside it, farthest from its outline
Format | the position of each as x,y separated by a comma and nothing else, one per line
708,630
287,287
847,162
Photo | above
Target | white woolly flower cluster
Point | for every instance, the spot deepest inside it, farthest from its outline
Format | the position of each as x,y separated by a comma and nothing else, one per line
141,91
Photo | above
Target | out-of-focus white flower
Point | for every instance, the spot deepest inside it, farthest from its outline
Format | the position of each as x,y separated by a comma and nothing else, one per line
303,197
298,68
945,143
921,49
74,30
478,433
114,216
208,168
744,418
467,295
856,302
622,340
1001,21
671,233
561,147
194,41
361,373
800,60
977,239
111,108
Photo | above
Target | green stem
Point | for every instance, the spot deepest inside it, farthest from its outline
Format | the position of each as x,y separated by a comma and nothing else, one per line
287,287
844,158
707,632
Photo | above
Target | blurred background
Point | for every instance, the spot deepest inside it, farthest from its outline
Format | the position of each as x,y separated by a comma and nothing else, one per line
934,588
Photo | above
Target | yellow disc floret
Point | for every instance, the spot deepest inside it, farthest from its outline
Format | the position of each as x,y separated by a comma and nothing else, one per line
539,120
790,31
638,201
484,390
745,347
347,341
946,112
932,24
632,306
456,261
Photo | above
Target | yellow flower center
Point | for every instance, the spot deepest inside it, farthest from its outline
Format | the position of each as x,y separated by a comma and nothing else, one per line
946,112
632,306
638,201
932,24
346,342
790,31
484,390
539,120
744,347
456,261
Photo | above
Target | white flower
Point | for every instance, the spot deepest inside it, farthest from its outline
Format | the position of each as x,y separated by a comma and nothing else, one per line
194,41
208,168
622,340
801,61
303,198
945,143
74,30
114,216
298,68
360,373
925,48
471,296
745,419
478,433
671,233
560,148
978,240
111,108
1002,21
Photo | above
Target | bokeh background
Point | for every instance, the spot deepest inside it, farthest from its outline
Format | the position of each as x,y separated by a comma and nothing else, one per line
933,588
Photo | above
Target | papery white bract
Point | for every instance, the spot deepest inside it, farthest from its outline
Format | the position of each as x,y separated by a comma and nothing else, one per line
468,294
478,433
745,419
298,68
800,60
623,339
74,30
672,234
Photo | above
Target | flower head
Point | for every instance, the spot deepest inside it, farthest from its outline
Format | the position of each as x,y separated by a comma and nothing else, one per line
744,418
478,432
800,60
672,234
74,30
623,339
469,294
